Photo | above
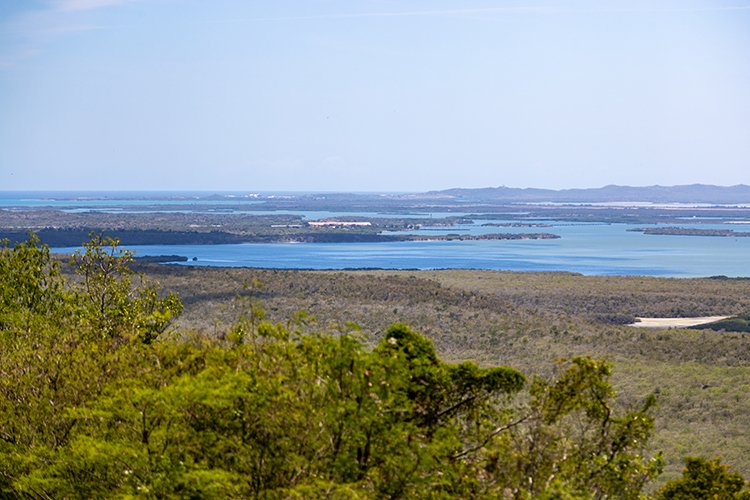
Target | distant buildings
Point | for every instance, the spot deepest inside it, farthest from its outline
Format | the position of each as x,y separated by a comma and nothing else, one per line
337,223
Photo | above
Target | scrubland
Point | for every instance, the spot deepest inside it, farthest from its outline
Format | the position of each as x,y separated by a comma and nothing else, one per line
526,320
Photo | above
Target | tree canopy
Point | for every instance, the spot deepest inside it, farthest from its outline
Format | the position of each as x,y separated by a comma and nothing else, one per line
97,401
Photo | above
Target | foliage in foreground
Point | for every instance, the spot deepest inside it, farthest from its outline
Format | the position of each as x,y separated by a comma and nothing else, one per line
705,479
94,404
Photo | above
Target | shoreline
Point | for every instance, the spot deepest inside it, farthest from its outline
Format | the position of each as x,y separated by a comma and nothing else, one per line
76,237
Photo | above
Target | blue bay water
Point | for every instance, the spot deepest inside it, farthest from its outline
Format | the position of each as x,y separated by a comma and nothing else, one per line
592,249
587,248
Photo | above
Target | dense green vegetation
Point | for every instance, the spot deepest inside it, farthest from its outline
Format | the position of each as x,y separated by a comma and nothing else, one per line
526,320
705,479
740,323
101,396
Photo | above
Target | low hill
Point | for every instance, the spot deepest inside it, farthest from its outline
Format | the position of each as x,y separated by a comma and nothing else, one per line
693,193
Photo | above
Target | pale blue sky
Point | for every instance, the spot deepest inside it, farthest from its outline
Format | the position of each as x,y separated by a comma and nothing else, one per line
370,95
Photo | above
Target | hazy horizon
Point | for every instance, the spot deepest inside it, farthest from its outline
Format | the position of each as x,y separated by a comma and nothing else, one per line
372,95
262,192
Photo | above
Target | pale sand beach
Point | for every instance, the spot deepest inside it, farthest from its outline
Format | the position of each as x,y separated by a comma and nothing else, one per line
675,322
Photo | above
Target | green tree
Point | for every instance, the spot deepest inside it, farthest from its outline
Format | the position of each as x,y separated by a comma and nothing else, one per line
567,438
31,286
94,403
111,301
704,479
56,357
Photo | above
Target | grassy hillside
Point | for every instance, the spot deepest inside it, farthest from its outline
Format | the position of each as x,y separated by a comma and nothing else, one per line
527,320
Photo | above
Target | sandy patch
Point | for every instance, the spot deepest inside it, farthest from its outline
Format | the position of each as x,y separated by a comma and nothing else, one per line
676,322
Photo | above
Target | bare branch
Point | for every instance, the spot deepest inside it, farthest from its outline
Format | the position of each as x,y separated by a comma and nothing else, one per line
492,434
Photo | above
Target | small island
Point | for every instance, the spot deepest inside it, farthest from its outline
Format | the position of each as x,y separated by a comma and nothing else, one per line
684,231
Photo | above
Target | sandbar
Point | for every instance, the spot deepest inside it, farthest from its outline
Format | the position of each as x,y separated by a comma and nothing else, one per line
675,322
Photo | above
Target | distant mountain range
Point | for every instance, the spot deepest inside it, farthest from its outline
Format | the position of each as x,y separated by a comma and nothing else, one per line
693,193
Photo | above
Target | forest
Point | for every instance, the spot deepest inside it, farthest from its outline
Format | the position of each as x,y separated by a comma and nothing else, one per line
127,379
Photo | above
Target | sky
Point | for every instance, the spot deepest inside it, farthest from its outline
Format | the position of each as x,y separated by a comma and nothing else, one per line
372,95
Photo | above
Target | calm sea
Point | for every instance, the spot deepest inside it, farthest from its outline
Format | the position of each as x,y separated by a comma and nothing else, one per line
593,249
